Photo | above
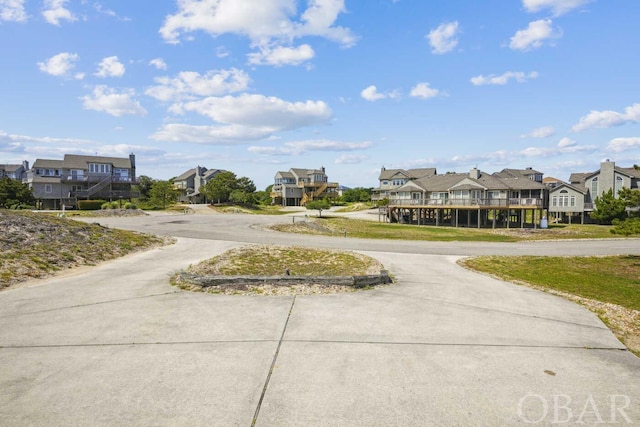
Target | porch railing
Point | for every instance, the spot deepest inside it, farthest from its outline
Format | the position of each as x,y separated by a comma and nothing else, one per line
537,203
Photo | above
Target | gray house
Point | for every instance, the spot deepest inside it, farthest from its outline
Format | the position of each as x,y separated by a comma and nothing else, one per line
57,183
578,197
16,172
297,186
477,199
189,184
390,180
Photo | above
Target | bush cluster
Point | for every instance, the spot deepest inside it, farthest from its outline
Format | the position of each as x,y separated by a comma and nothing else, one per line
90,205
628,227
116,205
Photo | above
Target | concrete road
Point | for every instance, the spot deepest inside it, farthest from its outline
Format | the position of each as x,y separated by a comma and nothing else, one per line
117,345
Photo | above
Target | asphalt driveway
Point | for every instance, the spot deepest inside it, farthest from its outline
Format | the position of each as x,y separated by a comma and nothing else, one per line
117,345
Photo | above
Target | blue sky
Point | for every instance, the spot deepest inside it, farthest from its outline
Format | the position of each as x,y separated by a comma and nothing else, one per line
257,86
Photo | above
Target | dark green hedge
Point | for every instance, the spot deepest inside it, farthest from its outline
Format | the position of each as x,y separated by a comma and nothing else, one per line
90,205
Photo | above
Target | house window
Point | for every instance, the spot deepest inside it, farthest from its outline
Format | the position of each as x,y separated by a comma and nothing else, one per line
48,188
573,201
594,187
493,194
99,168
554,201
398,182
385,182
617,186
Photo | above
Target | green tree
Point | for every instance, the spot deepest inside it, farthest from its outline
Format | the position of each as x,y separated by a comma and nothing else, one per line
162,194
318,205
220,187
13,193
246,185
608,208
144,187
263,197
631,199
358,194
242,197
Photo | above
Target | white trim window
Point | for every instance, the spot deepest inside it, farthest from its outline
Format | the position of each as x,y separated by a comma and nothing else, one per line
99,168
594,188
48,188
617,186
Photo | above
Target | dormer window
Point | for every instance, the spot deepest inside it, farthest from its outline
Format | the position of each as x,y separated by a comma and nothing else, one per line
99,168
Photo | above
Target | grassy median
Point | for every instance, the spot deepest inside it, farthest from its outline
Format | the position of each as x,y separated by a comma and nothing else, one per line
608,285
379,230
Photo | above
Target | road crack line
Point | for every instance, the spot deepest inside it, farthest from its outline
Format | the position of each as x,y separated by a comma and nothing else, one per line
273,364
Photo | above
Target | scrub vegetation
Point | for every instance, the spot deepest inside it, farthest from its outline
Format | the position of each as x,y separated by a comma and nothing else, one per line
35,245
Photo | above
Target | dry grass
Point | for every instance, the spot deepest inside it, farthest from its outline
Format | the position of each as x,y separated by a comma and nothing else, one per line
35,245
271,260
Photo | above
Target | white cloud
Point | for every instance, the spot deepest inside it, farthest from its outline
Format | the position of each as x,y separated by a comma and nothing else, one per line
424,91
190,84
158,63
543,132
566,142
261,111
564,146
222,52
110,67
99,8
262,21
214,135
281,55
618,145
59,65
108,100
503,79
302,147
350,159
607,119
243,118
557,7
12,138
534,35
12,11
443,39
55,11
371,94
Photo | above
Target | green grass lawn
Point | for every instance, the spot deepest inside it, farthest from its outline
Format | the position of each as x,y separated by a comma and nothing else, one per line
380,230
613,279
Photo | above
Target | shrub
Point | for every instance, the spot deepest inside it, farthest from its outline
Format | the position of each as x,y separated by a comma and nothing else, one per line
90,205
130,205
628,227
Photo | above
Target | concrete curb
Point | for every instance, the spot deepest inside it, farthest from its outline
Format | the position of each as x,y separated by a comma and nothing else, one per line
234,281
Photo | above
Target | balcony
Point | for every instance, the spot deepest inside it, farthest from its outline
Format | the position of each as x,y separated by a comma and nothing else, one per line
95,177
479,203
